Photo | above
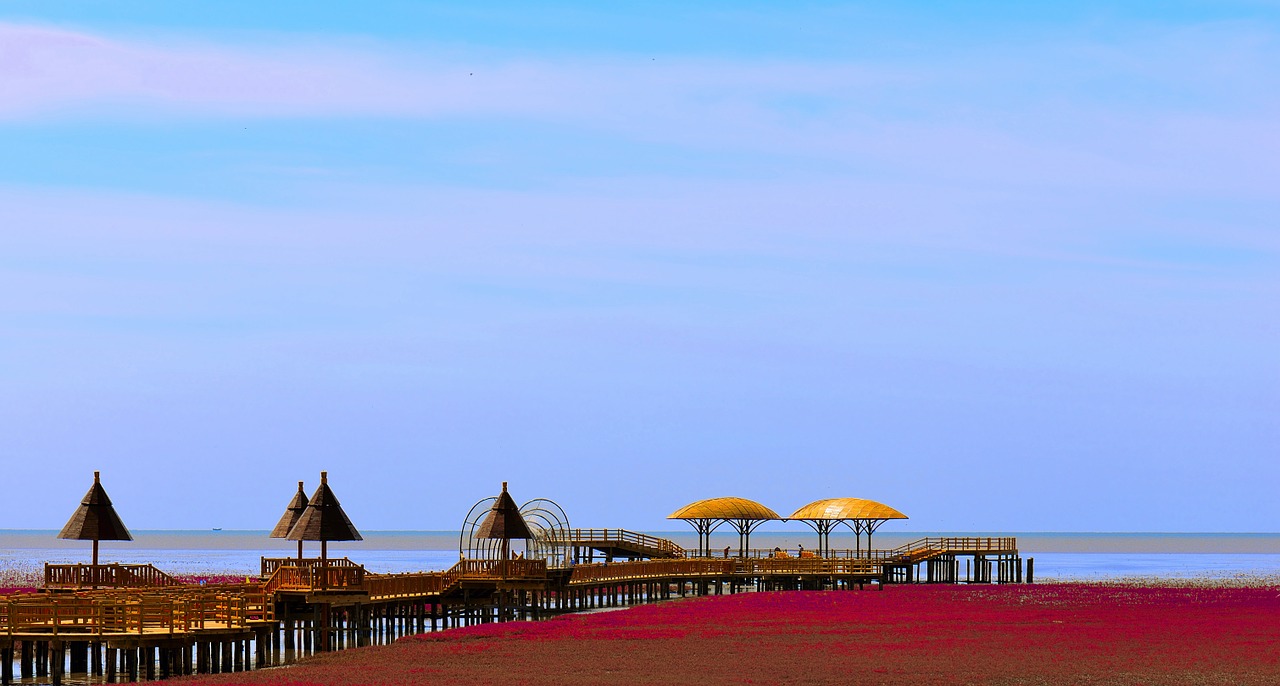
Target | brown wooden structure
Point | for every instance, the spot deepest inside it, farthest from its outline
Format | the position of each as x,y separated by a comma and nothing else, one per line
95,520
145,625
292,513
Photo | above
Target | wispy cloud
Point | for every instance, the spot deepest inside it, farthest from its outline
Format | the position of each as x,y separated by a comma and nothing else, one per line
57,70
1069,116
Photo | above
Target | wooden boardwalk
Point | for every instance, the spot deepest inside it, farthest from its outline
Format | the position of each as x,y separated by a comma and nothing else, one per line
145,625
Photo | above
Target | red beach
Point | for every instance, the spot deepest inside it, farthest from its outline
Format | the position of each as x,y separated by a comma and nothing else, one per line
934,634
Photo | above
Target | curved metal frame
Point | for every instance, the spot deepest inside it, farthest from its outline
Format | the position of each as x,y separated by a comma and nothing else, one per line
470,547
549,525
547,521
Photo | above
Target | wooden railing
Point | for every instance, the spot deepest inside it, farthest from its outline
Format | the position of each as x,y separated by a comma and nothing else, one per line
668,569
382,586
925,548
317,577
113,575
808,565
175,610
651,569
271,564
633,539
913,551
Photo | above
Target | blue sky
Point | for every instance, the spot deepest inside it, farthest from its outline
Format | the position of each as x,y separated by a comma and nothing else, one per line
1001,267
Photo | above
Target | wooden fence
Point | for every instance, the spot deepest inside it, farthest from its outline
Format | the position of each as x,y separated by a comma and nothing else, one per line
74,576
176,610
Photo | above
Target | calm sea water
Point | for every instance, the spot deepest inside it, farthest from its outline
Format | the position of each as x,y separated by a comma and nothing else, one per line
1058,555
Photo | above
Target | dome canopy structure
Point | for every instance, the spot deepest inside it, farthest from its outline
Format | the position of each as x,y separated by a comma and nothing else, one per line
846,508
707,515
725,508
859,514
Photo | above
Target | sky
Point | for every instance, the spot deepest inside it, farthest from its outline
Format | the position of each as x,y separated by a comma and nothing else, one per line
1002,266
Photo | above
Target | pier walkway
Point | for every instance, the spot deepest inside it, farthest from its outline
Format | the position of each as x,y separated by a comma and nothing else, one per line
135,622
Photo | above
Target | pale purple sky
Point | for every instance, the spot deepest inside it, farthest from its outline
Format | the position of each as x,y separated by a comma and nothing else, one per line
1003,270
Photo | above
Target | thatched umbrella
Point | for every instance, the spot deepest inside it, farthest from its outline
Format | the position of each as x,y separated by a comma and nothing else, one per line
95,520
504,522
323,520
291,515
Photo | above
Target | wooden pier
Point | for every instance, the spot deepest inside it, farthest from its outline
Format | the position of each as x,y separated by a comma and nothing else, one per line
145,626
118,622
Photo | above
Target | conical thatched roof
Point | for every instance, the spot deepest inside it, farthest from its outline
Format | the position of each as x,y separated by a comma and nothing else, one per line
291,515
504,520
323,518
95,519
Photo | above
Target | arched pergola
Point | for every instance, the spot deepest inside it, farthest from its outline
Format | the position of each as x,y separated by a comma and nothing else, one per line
859,514
707,515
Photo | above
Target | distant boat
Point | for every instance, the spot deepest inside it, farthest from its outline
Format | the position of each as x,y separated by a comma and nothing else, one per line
217,528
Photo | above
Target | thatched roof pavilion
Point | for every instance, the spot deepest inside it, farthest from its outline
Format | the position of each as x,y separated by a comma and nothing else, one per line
859,514
504,520
707,515
292,513
324,520
96,519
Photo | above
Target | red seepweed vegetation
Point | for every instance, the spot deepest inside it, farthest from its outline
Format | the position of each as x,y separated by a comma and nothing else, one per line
1047,634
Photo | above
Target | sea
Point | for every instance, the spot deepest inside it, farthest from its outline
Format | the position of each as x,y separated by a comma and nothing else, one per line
1058,556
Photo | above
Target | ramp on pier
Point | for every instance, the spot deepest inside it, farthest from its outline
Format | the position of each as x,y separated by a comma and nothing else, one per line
620,543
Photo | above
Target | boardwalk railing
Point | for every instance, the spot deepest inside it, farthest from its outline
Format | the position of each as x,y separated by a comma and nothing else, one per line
651,569
926,548
387,586
669,569
317,577
177,610
75,576
915,551
622,537
310,578
809,566
673,568
271,564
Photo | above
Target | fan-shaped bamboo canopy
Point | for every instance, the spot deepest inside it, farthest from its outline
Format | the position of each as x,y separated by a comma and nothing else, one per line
504,520
96,518
323,519
724,508
846,508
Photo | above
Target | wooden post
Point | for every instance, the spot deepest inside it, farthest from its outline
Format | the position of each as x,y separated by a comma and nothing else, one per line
79,657
131,662
6,664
